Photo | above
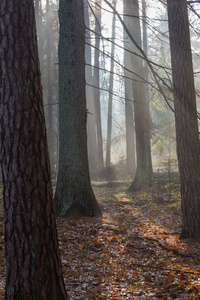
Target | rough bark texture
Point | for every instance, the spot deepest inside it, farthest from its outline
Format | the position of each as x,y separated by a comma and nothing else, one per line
144,172
188,147
74,193
33,268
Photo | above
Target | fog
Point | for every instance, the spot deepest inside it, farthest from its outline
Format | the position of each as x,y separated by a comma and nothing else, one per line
163,140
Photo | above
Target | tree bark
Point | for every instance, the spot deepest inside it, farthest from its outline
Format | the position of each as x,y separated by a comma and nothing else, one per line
33,268
188,146
74,194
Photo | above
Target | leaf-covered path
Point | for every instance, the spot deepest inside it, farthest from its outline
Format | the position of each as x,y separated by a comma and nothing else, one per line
133,252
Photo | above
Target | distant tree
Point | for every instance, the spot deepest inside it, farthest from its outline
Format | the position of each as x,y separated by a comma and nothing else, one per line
96,83
74,193
90,98
145,74
188,146
33,268
49,69
38,17
110,99
129,113
144,171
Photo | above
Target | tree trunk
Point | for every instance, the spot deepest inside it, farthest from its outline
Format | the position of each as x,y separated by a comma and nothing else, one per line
188,147
74,194
91,118
33,268
146,88
109,126
129,109
144,172
38,17
49,68
96,84
50,127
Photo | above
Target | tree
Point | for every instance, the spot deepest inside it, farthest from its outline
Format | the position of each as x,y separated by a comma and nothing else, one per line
96,83
144,172
50,123
129,112
74,193
188,146
91,118
110,100
33,268
130,130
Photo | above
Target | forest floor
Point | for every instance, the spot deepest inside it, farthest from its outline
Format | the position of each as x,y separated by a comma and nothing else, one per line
133,252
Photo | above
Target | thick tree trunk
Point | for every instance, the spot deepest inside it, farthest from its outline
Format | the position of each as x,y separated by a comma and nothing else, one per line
188,147
74,194
33,268
110,100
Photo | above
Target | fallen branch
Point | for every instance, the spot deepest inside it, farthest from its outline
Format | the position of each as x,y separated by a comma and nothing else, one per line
175,250
167,269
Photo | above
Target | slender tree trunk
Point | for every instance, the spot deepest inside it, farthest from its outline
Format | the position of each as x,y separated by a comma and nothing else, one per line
49,67
33,268
91,118
96,84
74,194
188,146
38,16
50,130
109,126
147,97
129,109
50,83
144,172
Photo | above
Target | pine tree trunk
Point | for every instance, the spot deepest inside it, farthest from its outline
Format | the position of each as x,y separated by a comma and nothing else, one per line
33,268
188,146
74,194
